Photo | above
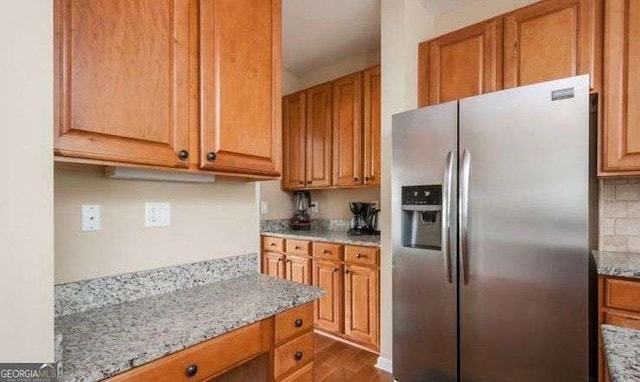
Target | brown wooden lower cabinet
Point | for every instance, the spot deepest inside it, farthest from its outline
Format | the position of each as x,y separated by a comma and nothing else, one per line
619,305
328,313
278,348
350,276
273,264
298,269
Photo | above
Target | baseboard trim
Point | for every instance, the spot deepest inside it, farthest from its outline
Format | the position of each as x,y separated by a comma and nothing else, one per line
385,364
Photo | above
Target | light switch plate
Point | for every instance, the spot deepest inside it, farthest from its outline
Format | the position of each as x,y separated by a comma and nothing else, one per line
90,217
157,214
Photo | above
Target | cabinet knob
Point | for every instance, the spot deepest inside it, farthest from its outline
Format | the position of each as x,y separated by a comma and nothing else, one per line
366,178
336,269
309,182
272,244
356,179
296,247
298,355
211,156
325,251
347,271
298,323
359,256
191,370
279,260
300,182
289,261
183,154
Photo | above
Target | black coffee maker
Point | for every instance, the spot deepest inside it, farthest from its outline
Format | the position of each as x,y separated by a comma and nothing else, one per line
301,220
364,220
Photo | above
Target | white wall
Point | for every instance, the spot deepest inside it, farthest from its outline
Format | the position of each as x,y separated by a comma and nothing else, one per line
26,194
405,23
207,221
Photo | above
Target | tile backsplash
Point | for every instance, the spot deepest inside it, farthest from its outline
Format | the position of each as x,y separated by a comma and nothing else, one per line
620,215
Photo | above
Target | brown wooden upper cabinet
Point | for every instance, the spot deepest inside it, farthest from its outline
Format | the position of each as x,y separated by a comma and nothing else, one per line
294,141
552,39
547,40
332,134
126,88
461,64
620,145
122,81
240,85
347,130
372,109
307,138
319,136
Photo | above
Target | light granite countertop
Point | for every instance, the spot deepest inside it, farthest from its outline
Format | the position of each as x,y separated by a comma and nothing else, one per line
102,342
327,236
622,349
621,264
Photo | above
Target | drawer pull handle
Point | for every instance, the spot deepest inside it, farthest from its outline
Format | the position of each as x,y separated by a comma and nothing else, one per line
325,251
296,247
272,244
298,323
191,370
298,355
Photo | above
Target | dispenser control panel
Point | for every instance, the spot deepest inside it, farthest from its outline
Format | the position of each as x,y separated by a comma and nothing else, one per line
422,195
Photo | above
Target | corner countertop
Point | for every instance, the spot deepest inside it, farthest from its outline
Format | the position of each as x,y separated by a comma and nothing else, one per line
328,236
620,264
622,349
102,342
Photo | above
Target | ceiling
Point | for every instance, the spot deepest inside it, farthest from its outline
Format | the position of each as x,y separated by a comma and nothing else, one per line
438,7
320,32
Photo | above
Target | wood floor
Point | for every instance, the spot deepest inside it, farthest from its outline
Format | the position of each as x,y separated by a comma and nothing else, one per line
339,362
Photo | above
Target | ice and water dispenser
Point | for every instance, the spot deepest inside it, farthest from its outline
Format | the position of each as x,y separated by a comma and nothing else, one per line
422,217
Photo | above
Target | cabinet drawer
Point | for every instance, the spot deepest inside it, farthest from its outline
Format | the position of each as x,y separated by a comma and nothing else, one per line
327,251
298,247
272,244
292,355
622,294
211,357
293,322
303,375
624,320
361,255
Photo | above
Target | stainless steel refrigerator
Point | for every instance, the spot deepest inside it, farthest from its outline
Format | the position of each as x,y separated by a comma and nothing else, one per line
494,212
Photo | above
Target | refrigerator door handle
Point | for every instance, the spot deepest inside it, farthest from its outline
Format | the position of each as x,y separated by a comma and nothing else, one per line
446,216
465,170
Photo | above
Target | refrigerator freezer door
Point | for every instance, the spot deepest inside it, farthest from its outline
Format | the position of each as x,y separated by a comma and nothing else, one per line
424,287
524,302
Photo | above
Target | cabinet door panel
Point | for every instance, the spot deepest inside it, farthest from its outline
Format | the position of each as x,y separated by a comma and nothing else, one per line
461,64
347,130
328,309
319,136
273,264
294,133
552,39
298,269
372,109
361,304
240,85
122,80
621,88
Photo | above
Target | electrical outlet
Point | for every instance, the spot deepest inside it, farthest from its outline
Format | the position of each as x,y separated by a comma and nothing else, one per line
264,207
314,207
157,214
376,204
90,218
